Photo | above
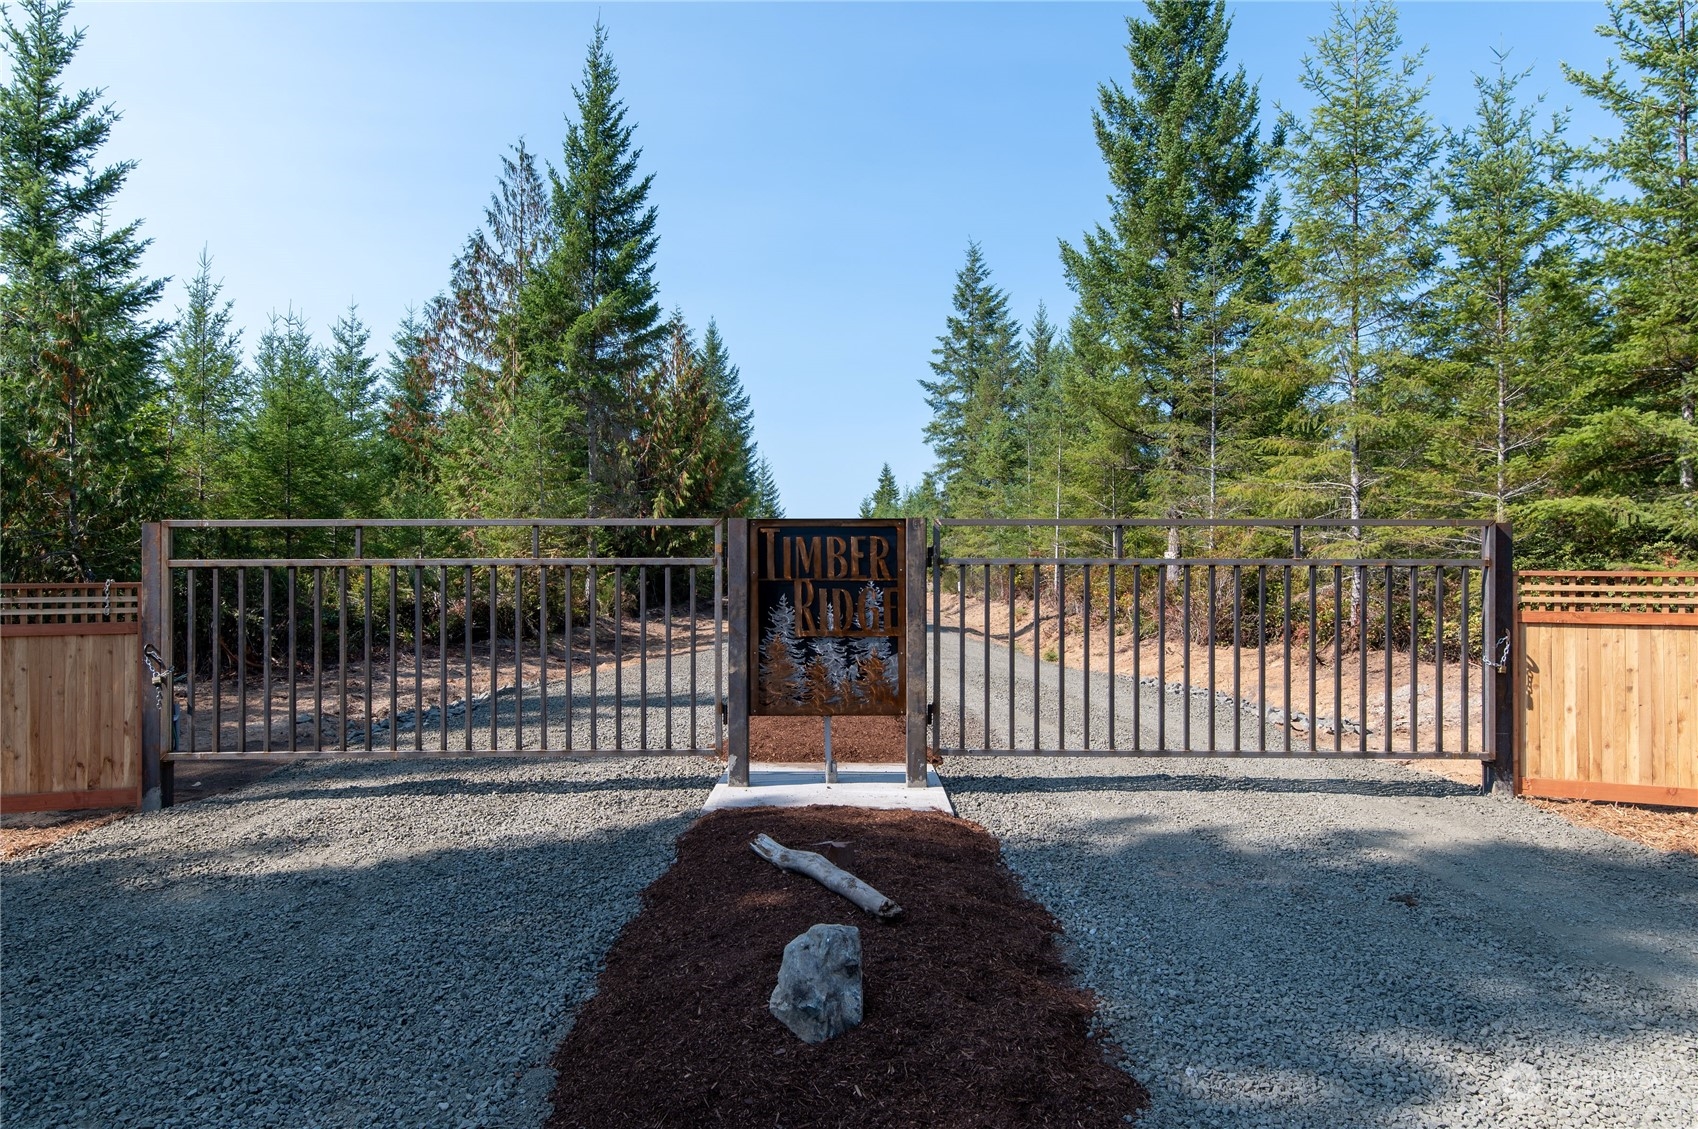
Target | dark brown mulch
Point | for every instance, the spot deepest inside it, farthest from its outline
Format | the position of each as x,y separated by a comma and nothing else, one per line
854,740
970,1019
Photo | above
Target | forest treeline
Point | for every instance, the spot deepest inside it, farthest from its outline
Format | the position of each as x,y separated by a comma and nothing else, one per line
543,381
1352,312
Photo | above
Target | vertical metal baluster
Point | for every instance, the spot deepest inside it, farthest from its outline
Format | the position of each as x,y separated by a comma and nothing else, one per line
294,719
342,658
1009,592
194,661
643,657
987,679
1137,658
494,657
318,659
1362,657
1388,659
1337,659
1061,656
1261,658
418,659
1185,661
1414,661
519,656
542,652
935,689
1462,643
1285,632
367,656
241,659
1214,600
961,660
466,654
666,583
265,657
1114,640
1237,659
1314,727
394,660
442,657
1438,657
1161,659
1037,657
1086,613
571,683
595,657
619,657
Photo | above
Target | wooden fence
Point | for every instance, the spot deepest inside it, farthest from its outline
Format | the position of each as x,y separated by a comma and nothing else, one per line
1609,686
70,696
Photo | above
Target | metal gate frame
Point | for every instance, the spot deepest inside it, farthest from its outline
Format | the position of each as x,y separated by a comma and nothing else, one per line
1491,645
161,622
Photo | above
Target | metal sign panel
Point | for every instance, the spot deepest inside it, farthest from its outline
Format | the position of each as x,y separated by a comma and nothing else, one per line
828,605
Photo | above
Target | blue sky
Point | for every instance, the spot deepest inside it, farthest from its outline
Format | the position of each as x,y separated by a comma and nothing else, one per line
819,168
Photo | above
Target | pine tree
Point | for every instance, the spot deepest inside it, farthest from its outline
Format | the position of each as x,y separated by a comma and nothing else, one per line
1637,446
977,366
1164,289
1359,168
295,460
886,498
1512,319
203,365
591,317
83,414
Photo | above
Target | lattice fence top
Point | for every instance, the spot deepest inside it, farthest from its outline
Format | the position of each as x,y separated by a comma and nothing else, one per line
107,602
1609,593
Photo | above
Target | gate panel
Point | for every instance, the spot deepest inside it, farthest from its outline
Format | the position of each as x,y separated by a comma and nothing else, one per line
1310,647
401,638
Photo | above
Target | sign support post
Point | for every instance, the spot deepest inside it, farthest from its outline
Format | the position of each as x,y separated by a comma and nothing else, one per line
914,639
737,615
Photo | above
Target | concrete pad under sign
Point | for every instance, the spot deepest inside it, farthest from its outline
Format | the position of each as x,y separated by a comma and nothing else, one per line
858,786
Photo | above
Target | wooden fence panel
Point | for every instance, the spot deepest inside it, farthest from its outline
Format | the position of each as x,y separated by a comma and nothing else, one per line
70,697
1609,687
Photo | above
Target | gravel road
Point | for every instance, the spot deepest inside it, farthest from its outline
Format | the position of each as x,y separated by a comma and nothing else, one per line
1329,944
338,945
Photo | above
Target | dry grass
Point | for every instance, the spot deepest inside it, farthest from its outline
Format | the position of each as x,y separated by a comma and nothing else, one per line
1664,829
22,834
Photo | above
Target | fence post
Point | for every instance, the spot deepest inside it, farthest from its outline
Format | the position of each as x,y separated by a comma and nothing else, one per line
1498,658
737,652
914,639
155,633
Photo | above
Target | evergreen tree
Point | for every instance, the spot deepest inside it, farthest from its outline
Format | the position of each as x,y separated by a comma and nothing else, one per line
685,446
767,500
412,424
1636,448
351,373
83,415
886,498
591,317
1166,287
977,368
738,492
296,460
1359,168
203,364
1512,320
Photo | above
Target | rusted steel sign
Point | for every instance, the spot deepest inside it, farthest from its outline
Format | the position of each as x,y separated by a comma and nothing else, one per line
827,601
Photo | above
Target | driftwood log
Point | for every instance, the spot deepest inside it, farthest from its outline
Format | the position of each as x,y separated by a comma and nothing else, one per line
833,878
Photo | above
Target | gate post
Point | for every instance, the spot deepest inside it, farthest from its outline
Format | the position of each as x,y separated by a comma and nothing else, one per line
914,639
737,652
1499,658
155,633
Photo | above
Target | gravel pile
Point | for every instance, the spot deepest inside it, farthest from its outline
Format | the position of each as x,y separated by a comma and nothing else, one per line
337,945
1326,944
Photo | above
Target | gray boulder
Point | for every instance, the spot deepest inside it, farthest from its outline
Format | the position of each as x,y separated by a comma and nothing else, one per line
819,984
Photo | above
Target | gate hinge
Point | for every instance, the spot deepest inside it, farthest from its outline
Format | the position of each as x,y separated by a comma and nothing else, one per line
931,712
931,555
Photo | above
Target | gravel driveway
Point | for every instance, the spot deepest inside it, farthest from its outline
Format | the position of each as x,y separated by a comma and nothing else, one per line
340,944
1338,945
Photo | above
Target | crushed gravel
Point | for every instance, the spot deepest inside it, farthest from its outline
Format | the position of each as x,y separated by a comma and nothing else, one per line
337,945
1328,944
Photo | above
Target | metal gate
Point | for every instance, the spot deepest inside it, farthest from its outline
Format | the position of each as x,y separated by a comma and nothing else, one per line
1276,638
287,640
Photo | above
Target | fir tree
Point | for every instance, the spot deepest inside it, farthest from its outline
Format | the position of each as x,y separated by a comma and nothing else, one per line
685,445
767,500
295,460
886,498
1165,288
591,316
1361,250
412,423
1637,447
738,490
83,416
352,375
203,364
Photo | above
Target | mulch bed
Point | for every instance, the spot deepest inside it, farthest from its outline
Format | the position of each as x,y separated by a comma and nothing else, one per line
970,1016
1665,829
854,740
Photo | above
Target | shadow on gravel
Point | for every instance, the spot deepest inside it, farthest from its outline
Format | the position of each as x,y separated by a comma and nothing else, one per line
1435,786
448,784
272,964
1302,967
